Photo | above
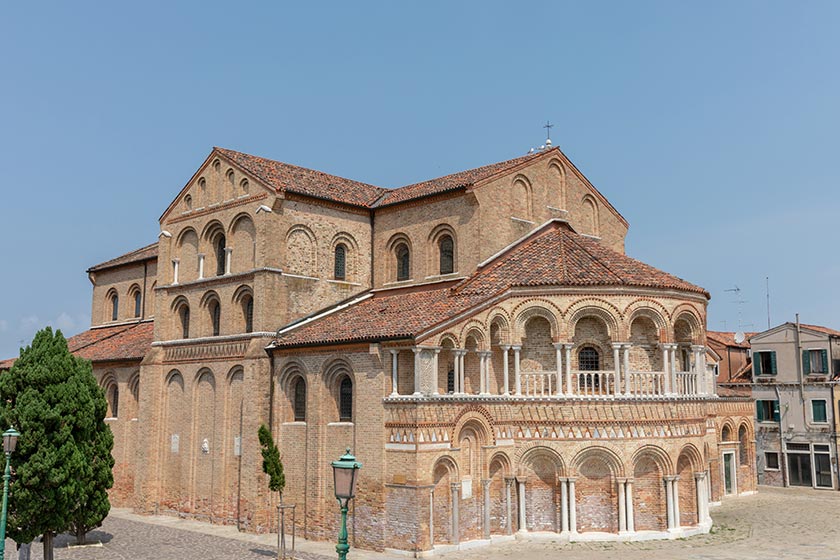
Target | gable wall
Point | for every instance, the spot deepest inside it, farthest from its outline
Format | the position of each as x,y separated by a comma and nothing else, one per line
122,280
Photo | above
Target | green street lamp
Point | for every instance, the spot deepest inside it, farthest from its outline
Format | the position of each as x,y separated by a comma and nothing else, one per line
10,438
344,476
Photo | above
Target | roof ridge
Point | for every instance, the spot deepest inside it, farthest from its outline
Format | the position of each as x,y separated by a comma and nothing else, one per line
596,258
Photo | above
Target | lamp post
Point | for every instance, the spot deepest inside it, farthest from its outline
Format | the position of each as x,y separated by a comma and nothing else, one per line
344,476
10,438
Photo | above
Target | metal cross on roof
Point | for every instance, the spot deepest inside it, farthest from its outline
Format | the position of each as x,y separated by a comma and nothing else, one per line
548,126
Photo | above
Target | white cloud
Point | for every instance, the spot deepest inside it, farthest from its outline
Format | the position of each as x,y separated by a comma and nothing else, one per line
4,325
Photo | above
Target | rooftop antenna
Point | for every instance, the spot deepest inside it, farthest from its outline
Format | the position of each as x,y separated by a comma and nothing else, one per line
740,302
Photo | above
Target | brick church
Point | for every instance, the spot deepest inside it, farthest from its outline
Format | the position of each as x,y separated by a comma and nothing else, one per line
480,341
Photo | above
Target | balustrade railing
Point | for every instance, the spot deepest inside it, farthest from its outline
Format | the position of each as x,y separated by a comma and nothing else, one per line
646,383
539,383
686,383
593,383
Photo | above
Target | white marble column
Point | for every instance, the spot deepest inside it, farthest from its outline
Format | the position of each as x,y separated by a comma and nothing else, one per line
200,266
505,369
486,486
456,522
395,360
432,517
676,496
482,377
631,520
564,505
522,523
572,507
666,372
175,264
456,366
669,501
436,372
417,362
699,370
626,367
702,497
617,362
516,371
558,359
228,254
672,350
486,356
459,370
622,504
509,504
568,363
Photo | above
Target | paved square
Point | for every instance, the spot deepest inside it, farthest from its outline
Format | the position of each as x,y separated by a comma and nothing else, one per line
776,523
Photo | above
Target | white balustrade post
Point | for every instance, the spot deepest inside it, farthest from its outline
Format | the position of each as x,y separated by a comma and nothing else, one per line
572,507
516,371
568,363
626,366
505,369
522,523
564,505
631,522
558,360
622,505
200,266
395,360
617,363
417,354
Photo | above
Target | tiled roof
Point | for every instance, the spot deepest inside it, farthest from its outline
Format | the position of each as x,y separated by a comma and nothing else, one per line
818,328
116,343
553,255
557,256
286,177
451,182
138,255
728,338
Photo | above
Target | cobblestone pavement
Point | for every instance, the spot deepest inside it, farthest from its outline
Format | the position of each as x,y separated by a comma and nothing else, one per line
774,524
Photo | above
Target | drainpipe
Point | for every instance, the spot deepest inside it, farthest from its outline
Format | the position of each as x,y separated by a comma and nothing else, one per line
834,408
782,449
800,373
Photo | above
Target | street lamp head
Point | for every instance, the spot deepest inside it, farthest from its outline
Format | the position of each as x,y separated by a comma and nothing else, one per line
10,438
344,474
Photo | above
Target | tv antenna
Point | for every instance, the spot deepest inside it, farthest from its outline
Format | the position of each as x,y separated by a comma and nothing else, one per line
740,303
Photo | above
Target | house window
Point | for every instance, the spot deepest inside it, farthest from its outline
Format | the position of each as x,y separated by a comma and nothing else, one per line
248,312
340,268
767,411
588,359
138,303
115,307
403,262
447,254
450,381
300,400
184,312
215,317
818,411
345,400
771,461
220,255
764,363
815,361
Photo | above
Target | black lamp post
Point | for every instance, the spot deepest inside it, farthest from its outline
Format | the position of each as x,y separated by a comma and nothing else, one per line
10,438
344,475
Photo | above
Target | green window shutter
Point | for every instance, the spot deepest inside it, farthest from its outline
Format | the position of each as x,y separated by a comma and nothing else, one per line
776,415
824,353
773,363
759,411
756,363
806,362
818,411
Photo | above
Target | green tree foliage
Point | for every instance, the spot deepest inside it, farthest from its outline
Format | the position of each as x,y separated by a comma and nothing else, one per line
50,396
271,461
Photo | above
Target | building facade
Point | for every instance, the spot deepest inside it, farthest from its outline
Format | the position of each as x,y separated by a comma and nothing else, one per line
795,370
480,341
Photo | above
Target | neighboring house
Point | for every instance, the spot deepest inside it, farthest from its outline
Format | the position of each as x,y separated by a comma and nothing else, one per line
795,370
481,340
729,355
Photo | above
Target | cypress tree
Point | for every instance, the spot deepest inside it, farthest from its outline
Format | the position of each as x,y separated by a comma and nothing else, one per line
271,461
47,395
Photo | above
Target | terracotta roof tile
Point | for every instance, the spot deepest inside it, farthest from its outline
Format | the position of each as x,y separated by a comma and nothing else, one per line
728,338
148,252
818,328
455,181
285,177
553,255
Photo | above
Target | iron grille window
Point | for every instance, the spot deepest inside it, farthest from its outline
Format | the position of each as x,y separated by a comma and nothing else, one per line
300,400
340,271
345,400
588,359
403,262
447,255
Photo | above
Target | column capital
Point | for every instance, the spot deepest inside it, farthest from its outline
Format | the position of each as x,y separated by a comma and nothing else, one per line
669,478
509,480
486,482
516,347
504,347
558,345
393,351
626,345
698,348
484,353
455,486
700,475
572,479
568,345
176,260
617,345
460,351
562,479
630,480
621,480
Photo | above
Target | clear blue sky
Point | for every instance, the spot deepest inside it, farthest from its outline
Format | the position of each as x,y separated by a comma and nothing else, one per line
712,126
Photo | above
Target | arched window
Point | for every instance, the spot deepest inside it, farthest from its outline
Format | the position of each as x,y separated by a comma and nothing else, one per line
450,381
345,400
340,272
742,446
113,398
248,312
447,254
588,359
138,303
403,262
184,313
299,402
115,307
220,255
215,317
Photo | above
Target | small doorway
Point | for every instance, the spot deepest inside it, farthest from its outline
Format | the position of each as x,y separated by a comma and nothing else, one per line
799,469
730,484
